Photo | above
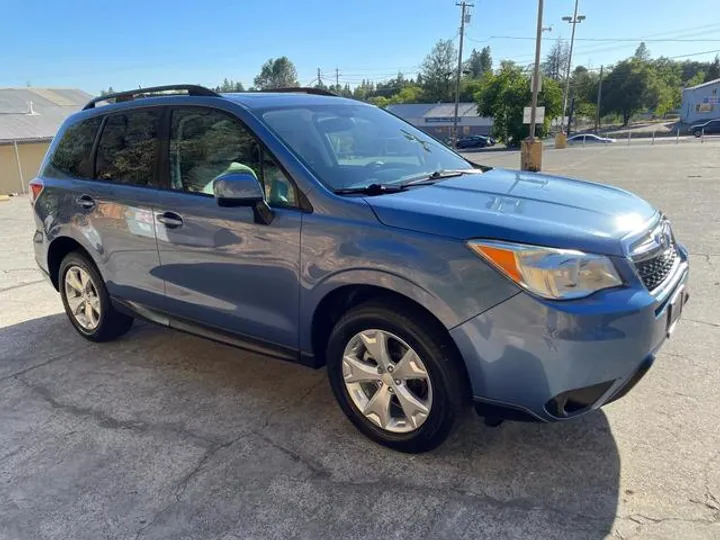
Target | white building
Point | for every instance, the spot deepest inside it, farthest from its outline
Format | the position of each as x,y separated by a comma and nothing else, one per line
437,118
700,103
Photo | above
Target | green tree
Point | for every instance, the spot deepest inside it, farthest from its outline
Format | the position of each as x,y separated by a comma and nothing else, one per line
228,85
665,91
380,101
110,90
277,73
556,61
713,71
626,89
409,94
479,63
642,52
364,90
438,69
504,95
698,78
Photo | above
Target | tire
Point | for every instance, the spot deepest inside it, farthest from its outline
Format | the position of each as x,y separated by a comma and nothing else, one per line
697,133
444,387
105,323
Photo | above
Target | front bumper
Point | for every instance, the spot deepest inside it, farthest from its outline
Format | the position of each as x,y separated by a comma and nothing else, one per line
555,360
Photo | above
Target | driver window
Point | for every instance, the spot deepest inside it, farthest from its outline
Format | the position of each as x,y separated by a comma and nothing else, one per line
206,143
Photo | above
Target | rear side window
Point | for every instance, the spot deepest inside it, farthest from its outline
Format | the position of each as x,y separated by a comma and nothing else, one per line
128,148
73,156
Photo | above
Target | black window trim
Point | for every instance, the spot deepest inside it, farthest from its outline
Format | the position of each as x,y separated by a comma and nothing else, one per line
303,205
154,184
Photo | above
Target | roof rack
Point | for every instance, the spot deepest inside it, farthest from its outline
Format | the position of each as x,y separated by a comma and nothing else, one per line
302,90
191,89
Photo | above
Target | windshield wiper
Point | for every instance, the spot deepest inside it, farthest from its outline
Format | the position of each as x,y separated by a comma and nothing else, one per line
371,189
433,177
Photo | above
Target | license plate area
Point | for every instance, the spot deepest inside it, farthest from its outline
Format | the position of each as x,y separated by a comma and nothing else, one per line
675,309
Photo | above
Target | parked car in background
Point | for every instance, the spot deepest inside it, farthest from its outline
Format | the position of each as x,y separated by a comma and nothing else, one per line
422,282
711,127
589,138
475,141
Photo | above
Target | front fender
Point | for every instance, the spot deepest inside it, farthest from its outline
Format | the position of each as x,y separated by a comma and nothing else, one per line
376,278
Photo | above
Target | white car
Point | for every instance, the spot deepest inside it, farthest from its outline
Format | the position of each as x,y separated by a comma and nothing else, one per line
589,138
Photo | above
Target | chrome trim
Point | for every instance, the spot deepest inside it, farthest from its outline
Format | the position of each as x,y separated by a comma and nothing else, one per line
653,242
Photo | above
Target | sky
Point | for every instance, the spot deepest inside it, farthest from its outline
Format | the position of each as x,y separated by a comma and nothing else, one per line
96,44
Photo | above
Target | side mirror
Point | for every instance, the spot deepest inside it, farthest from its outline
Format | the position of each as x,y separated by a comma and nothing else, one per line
243,189
237,189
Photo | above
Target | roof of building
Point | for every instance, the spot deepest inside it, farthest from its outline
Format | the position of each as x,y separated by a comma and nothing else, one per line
433,110
709,83
411,110
34,114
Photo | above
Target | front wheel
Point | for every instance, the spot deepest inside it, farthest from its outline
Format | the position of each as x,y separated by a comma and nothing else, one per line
395,377
697,133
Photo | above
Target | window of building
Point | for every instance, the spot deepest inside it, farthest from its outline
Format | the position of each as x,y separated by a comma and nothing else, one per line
206,144
72,157
128,148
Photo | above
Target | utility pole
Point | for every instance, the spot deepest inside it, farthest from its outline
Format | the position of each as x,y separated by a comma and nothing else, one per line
319,78
337,80
574,20
464,6
536,70
599,99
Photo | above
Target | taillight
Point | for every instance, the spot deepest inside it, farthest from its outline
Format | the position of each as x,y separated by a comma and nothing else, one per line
36,187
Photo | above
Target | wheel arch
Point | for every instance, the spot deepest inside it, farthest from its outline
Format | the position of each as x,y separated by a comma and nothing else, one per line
57,251
345,297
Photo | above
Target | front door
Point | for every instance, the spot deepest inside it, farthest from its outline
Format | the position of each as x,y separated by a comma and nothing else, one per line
221,268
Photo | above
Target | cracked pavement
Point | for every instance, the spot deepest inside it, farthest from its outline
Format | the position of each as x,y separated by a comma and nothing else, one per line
161,435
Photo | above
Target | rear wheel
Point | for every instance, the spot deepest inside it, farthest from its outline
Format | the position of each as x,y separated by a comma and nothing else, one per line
86,300
697,133
396,377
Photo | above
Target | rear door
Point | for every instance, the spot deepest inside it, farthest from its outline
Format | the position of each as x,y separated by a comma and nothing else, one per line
221,268
117,207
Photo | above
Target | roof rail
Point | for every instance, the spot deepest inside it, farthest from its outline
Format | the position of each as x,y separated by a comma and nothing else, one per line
129,95
302,90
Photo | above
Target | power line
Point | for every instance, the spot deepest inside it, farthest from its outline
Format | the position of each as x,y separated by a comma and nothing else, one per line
610,40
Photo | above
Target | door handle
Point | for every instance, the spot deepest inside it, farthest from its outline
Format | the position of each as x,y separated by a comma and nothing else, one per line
170,219
86,201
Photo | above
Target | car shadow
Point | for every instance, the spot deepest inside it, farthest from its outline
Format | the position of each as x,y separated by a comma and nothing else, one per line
153,380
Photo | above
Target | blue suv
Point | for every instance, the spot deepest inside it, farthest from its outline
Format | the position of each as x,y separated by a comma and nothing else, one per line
328,232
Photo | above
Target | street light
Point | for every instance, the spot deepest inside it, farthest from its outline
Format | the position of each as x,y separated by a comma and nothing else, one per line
574,20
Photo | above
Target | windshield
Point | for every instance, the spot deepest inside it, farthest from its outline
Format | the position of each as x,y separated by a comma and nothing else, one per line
349,146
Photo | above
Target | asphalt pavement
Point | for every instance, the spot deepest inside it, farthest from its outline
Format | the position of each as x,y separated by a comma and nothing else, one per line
165,435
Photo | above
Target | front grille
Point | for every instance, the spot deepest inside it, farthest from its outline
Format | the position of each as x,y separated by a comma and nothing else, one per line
653,271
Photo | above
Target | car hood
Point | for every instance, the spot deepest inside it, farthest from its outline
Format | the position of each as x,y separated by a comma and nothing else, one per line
519,207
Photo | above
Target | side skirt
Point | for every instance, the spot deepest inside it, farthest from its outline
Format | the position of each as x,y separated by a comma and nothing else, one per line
195,328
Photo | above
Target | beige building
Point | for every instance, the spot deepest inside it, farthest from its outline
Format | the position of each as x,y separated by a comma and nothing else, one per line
29,119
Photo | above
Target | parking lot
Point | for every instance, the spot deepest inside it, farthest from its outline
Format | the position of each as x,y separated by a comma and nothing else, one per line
165,435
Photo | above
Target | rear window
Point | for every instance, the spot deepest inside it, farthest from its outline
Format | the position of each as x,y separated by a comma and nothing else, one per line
128,147
72,157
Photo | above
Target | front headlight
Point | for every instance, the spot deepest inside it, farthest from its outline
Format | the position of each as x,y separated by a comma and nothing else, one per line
556,274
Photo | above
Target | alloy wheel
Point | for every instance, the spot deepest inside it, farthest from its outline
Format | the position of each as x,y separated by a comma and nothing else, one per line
82,298
387,381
